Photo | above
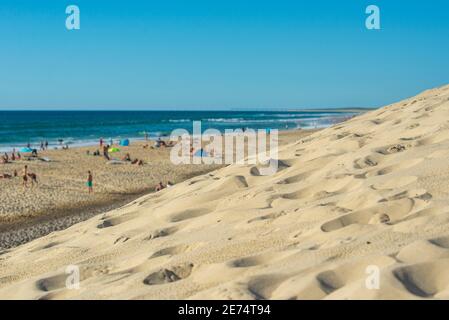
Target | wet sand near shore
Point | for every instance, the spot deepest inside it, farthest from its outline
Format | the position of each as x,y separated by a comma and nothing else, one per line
61,198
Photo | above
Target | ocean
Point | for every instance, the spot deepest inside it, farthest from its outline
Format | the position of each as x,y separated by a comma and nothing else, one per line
79,128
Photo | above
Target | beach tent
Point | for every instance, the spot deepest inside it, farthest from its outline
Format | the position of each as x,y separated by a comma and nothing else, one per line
124,143
112,150
201,153
26,150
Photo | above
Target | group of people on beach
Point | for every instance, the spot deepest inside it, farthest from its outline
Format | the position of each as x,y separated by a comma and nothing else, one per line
27,177
7,159
31,178
44,145
136,161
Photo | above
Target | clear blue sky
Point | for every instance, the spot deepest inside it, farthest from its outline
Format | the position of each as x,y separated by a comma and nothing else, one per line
219,53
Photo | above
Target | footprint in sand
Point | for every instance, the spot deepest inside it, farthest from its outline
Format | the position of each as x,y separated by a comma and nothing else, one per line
111,222
188,214
396,148
257,171
173,274
424,280
52,283
170,251
369,161
262,287
159,233
258,260
395,210
395,167
271,216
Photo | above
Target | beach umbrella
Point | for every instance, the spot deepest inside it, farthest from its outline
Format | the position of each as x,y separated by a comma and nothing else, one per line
124,143
112,150
26,150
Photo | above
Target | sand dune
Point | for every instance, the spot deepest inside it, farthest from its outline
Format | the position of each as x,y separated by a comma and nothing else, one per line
368,194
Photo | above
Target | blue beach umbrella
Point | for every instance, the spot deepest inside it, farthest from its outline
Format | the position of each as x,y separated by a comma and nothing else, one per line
26,150
124,143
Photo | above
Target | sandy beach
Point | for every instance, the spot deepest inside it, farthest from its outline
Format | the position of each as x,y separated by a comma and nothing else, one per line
366,196
61,198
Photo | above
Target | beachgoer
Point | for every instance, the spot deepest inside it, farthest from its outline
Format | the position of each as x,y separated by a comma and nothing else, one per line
25,176
33,177
106,152
159,187
90,184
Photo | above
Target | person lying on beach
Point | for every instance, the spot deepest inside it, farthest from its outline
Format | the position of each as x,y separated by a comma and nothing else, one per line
159,187
138,162
5,176
89,183
127,157
160,143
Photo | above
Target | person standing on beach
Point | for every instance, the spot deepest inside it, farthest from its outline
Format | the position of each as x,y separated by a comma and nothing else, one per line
90,182
106,152
25,177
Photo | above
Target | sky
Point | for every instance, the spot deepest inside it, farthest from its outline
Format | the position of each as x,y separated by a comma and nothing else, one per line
219,54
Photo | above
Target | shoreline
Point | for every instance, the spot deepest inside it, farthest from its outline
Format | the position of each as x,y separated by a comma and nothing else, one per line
342,115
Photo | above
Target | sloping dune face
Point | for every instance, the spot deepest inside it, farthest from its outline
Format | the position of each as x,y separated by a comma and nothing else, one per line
356,211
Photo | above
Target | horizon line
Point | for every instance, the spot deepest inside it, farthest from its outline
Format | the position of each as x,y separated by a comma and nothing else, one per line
197,110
